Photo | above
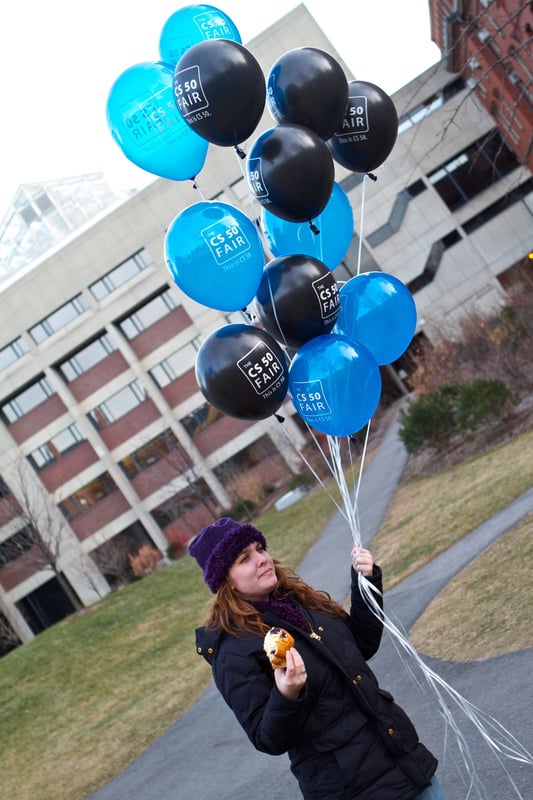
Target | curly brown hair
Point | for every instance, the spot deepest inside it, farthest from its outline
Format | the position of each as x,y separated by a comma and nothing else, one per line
230,612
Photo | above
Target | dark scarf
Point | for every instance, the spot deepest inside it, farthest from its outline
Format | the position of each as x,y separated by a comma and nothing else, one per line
285,609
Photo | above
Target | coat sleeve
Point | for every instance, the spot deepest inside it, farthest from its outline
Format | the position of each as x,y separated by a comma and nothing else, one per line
271,721
365,625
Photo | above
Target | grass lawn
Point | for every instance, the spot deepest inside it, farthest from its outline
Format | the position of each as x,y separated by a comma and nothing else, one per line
87,696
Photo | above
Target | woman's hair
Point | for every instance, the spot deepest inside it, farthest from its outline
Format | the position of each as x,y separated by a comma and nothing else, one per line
230,612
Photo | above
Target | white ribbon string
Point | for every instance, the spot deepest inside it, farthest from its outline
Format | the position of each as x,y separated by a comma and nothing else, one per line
502,743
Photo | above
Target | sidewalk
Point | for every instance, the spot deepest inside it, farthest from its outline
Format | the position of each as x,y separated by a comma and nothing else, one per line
206,755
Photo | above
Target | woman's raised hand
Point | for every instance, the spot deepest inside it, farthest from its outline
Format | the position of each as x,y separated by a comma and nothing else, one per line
362,561
291,679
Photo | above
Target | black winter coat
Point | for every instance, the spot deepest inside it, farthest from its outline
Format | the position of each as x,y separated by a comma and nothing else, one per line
345,737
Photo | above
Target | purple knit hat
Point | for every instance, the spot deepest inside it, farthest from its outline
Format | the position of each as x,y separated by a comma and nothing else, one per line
217,546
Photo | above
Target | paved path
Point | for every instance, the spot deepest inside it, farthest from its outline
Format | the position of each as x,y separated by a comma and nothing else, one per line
205,755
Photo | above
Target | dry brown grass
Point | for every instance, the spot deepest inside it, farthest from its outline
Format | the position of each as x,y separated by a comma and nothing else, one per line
428,515
487,606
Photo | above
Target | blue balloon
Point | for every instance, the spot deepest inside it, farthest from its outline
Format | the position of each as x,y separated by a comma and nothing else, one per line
334,384
215,255
145,123
378,310
335,225
190,25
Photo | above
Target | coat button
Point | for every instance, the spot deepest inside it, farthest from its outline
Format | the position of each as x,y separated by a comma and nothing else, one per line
390,731
354,682
199,649
359,678
320,628
210,650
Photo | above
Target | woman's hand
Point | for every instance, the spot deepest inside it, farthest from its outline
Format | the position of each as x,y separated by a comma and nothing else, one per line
291,679
362,561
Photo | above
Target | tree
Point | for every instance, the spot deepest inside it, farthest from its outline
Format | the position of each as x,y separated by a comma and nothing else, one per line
40,532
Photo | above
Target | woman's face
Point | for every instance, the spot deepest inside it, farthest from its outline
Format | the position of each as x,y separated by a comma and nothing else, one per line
253,573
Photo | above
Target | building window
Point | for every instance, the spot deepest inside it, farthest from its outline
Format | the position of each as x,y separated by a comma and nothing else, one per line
200,419
59,319
419,113
88,496
153,451
474,169
12,352
246,459
498,207
4,489
147,314
180,362
116,406
86,358
18,544
26,401
182,502
121,274
56,447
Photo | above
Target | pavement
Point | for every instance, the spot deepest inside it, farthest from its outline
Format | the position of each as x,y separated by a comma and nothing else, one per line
206,755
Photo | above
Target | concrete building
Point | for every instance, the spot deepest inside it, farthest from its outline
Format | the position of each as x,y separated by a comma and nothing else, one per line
106,442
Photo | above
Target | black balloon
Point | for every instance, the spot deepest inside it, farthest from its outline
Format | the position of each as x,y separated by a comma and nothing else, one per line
220,91
291,172
307,86
297,299
242,371
368,129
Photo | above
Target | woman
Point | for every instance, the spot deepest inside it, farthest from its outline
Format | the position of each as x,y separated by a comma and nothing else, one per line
345,737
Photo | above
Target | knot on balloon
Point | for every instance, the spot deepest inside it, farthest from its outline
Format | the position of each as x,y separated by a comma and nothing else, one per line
372,176
279,418
313,228
240,152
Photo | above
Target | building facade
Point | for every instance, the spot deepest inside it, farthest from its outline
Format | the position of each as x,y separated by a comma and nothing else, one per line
490,42
106,442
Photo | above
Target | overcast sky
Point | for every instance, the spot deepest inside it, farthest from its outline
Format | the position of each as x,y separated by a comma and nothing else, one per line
59,59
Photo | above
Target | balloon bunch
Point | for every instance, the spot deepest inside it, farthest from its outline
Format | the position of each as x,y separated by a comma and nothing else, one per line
311,342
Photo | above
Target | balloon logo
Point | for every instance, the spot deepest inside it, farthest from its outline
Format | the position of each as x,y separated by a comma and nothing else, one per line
297,299
378,310
335,232
215,255
308,87
291,173
190,25
241,370
219,90
334,384
368,130
144,122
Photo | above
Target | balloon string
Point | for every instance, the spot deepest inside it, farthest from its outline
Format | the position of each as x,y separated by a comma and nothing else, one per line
312,470
273,302
361,226
498,738
198,188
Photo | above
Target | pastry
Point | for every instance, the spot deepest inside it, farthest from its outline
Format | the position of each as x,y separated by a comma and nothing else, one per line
276,643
